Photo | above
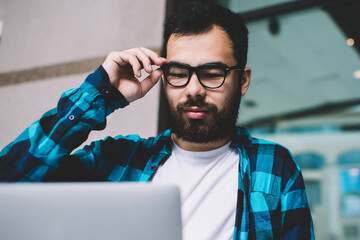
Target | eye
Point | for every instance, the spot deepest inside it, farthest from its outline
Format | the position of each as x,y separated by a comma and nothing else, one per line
175,72
212,74
177,75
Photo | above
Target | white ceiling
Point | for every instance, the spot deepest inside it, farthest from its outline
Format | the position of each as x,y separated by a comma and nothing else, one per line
307,64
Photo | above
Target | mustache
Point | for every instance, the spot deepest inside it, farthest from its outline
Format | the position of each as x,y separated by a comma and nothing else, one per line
198,102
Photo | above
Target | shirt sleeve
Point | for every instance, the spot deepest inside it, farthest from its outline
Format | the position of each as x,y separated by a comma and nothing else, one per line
296,219
39,148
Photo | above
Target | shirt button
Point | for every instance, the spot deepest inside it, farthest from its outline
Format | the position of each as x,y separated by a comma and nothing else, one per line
153,167
106,91
71,117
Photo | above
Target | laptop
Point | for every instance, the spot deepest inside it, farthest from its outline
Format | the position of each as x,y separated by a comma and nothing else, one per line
91,211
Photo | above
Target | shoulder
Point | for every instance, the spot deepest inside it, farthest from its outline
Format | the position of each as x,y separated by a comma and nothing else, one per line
268,157
260,149
272,157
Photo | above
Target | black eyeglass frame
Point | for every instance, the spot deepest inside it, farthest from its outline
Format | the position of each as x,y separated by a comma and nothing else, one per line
191,70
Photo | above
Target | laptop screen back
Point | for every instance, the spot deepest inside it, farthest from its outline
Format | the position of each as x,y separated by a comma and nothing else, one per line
58,211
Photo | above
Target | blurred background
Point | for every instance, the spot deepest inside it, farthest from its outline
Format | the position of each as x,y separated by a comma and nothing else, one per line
304,94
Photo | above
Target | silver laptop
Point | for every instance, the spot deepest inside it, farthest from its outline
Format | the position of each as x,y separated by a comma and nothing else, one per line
91,211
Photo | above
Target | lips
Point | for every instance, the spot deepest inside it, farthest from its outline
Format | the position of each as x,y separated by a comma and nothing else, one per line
196,112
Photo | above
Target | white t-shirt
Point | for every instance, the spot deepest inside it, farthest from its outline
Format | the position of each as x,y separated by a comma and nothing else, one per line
208,182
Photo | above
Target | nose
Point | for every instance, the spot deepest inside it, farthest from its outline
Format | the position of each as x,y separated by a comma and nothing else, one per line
194,88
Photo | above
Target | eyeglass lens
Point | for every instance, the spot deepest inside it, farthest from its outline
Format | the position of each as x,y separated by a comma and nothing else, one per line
210,76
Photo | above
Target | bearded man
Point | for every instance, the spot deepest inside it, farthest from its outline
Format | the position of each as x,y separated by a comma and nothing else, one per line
233,186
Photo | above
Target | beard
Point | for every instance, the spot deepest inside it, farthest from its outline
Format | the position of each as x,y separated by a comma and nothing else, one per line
216,126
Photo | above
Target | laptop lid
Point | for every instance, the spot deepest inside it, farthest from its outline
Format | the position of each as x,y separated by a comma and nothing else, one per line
59,211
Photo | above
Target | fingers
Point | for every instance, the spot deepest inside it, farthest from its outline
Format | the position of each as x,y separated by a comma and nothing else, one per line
123,67
138,58
146,58
133,61
156,59
150,81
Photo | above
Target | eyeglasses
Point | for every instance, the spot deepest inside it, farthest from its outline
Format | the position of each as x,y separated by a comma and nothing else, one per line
211,75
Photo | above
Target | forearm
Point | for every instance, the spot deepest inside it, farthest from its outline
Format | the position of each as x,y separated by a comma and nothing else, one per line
40,147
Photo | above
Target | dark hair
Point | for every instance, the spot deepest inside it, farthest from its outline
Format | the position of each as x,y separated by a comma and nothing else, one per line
197,17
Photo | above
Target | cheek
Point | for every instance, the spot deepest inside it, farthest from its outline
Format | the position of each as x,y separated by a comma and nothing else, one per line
223,102
232,88
227,97
171,95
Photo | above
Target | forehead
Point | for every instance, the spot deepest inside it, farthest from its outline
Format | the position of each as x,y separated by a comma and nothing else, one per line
212,46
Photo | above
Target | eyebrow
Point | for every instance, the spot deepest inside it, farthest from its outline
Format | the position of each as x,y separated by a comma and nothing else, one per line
212,63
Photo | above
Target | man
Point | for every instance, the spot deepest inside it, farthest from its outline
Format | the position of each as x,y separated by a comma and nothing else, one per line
232,185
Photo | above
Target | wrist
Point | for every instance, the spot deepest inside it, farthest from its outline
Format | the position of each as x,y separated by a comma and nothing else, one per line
100,80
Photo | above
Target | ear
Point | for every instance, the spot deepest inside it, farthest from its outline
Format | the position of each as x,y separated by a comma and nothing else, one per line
245,80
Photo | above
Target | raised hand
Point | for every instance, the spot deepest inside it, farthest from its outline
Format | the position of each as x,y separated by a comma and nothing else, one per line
123,68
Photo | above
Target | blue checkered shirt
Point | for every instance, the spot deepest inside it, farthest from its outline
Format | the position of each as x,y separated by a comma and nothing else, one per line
271,198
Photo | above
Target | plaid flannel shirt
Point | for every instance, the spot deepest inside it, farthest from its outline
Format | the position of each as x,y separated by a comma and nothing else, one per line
271,202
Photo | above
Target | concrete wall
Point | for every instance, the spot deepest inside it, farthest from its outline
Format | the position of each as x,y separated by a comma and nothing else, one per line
42,41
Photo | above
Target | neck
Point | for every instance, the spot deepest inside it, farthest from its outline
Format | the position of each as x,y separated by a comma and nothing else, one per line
199,147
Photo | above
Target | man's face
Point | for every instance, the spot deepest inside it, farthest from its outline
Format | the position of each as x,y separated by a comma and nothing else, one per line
200,114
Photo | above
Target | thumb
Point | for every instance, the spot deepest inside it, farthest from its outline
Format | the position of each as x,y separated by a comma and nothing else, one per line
150,81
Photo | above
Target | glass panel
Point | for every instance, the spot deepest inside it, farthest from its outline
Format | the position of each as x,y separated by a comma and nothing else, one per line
351,231
310,161
313,190
351,157
350,192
